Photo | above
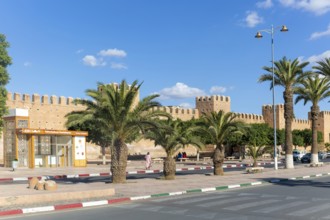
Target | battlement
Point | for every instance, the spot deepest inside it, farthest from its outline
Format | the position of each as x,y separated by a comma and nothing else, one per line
179,113
37,99
249,116
301,121
270,107
213,98
177,110
324,113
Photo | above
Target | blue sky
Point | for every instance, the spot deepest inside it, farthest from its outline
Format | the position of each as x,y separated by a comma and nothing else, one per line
178,48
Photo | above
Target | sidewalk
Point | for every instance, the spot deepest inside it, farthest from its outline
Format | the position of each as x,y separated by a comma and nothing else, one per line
135,189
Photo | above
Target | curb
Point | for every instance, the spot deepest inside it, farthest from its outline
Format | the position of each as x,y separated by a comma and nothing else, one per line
128,199
67,176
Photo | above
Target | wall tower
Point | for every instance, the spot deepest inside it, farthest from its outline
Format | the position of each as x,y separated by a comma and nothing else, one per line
207,104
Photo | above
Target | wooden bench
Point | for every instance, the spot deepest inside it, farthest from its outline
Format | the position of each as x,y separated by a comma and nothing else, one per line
319,164
230,158
206,158
183,159
268,156
157,160
254,169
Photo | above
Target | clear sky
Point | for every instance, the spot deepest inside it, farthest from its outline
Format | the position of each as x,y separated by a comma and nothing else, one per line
178,48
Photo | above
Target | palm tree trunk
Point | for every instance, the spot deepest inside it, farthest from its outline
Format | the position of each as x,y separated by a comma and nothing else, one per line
103,155
288,116
218,159
169,168
119,161
314,113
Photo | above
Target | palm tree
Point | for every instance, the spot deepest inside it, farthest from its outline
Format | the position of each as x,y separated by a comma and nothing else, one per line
215,127
172,136
314,89
120,118
288,74
323,67
257,139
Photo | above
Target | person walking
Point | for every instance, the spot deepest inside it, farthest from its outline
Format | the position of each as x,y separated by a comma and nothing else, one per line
148,161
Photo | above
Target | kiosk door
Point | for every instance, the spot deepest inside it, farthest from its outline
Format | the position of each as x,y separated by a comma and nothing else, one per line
64,155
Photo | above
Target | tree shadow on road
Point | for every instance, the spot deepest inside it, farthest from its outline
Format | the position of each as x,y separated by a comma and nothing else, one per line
297,182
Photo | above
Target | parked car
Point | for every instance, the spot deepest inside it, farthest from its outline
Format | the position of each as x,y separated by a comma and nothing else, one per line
297,155
322,155
306,158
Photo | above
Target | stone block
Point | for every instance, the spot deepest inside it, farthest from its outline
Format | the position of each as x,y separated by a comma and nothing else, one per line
40,185
50,185
33,182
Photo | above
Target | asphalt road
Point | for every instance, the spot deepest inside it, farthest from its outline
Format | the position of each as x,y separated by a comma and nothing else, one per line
296,199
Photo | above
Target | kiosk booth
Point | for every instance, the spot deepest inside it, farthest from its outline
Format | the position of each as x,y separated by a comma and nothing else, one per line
41,147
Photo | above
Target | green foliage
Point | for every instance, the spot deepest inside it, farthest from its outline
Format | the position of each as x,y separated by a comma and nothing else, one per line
113,116
297,138
280,134
5,61
307,135
313,89
287,73
111,112
172,135
216,127
323,67
327,146
257,138
258,135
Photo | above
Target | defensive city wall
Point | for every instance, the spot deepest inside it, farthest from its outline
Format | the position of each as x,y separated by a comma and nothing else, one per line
48,112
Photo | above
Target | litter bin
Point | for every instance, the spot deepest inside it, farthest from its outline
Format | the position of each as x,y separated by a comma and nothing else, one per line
14,164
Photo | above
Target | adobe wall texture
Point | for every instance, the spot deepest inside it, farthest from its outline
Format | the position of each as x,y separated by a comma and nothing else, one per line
49,112
44,111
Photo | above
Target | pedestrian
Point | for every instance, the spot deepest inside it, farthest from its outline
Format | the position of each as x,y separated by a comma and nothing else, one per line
148,161
179,156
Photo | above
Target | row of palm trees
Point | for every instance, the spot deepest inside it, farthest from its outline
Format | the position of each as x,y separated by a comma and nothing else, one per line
114,118
309,86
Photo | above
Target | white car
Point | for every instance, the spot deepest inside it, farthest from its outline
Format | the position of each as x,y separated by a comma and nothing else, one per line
297,155
322,155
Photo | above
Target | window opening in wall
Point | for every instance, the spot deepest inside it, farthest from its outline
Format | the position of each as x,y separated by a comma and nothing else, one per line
52,151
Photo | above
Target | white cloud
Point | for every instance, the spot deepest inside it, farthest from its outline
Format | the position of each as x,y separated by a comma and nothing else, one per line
317,7
90,60
265,4
217,89
113,53
79,51
27,64
316,35
186,105
118,66
301,59
180,91
252,19
316,58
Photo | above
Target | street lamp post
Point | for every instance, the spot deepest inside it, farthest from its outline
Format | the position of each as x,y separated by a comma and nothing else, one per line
259,35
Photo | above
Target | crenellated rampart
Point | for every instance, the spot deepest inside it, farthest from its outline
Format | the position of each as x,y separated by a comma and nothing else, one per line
250,118
45,111
301,124
179,113
27,100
